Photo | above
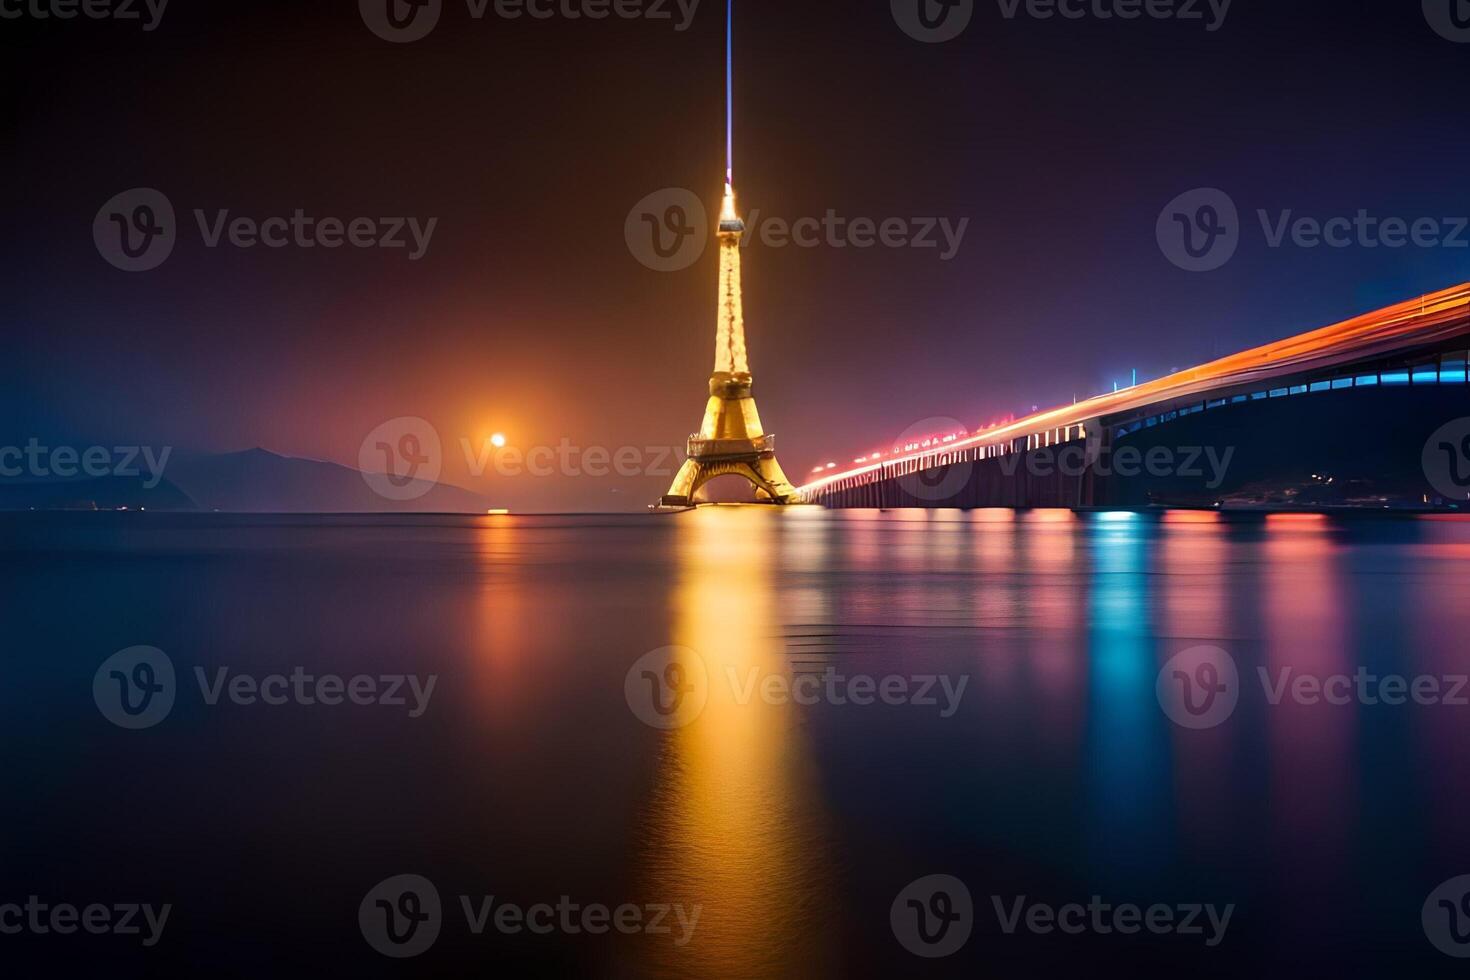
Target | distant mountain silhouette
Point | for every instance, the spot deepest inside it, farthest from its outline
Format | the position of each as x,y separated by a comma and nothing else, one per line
253,481
258,481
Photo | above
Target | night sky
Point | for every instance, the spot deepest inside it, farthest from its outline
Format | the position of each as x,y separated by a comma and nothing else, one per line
530,140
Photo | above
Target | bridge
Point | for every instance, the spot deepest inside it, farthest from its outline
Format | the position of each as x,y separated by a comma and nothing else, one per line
1336,415
1348,414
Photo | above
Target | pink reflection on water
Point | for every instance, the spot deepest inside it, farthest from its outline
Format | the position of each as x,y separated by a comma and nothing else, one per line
1056,611
1194,611
1312,752
1438,625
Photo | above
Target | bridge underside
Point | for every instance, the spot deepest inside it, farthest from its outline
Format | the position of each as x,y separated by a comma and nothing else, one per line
1353,446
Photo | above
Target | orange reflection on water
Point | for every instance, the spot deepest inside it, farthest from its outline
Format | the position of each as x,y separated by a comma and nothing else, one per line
996,593
734,822
1055,610
1194,555
1191,517
1054,604
1050,515
505,666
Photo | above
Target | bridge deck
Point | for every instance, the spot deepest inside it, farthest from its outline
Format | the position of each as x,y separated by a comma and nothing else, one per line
1421,321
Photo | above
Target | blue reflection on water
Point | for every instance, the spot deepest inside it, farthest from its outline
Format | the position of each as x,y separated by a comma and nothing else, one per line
1129,782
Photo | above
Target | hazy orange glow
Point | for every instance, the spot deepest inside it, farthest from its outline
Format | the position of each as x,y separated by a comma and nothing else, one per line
1051,515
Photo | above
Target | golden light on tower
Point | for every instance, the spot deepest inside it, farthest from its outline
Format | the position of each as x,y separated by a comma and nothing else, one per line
727,211
730,440
730,355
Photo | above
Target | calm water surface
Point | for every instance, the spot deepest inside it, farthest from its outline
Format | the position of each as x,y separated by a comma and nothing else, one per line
1055,775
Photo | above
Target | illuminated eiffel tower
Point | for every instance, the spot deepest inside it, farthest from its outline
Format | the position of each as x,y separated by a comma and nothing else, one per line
730,440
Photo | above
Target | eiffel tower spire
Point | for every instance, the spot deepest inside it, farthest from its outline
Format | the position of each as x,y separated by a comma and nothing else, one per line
730,439
730,355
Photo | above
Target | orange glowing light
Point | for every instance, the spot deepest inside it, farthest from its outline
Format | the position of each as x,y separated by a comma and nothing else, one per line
1191,517
1298,520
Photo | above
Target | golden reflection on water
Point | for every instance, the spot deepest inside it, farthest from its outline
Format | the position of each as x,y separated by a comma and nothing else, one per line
997,597
735,822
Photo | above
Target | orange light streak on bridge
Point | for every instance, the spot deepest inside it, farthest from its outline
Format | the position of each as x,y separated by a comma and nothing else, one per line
1425,319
